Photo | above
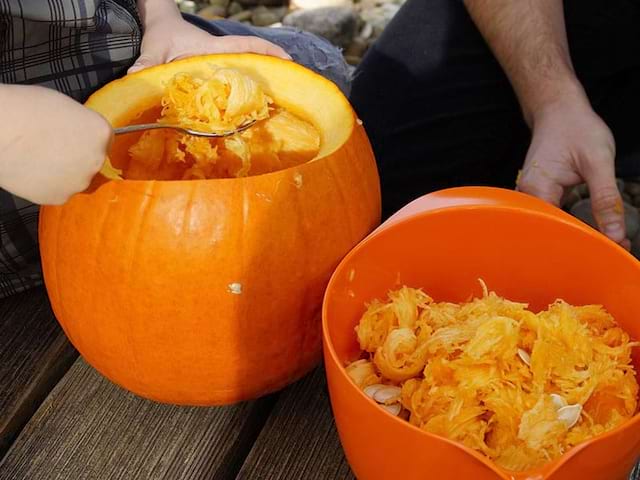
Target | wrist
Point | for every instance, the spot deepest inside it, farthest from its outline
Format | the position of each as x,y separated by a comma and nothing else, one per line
154,12
553,96
20,102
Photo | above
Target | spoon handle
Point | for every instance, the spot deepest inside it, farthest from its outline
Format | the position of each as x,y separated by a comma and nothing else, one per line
197,133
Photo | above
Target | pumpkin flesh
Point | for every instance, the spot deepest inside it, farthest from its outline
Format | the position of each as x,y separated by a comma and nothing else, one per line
222,101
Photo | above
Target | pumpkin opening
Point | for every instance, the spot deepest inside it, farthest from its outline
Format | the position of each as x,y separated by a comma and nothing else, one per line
218,100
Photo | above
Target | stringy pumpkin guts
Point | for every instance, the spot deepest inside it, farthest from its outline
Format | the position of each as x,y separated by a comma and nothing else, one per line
221,102
522,388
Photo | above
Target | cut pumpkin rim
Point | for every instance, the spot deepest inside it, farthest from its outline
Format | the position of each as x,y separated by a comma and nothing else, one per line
290,85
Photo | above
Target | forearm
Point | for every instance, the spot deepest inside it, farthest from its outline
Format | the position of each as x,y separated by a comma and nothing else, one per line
528,37
151,11
17,103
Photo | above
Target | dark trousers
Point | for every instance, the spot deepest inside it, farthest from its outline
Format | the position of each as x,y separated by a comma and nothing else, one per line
440,112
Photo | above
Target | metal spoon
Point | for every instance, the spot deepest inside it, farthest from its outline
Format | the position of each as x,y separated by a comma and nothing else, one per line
189,131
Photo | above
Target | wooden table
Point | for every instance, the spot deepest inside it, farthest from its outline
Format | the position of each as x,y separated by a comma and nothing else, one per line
61,420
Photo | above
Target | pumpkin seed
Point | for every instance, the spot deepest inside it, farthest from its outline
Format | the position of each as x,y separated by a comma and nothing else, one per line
393,409
524,356
387,394
371,390
558,400
570,414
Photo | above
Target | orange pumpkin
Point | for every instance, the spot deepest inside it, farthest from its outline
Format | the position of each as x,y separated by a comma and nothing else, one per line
207,292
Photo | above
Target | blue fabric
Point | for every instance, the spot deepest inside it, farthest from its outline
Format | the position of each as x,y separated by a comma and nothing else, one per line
306,48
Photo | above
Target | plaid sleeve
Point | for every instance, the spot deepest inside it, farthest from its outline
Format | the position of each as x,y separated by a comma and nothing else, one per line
74,47
19,256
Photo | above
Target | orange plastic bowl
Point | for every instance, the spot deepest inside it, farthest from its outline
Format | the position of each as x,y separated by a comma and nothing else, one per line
525,250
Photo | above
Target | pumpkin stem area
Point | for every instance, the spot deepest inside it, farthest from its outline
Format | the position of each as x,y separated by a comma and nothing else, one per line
219,101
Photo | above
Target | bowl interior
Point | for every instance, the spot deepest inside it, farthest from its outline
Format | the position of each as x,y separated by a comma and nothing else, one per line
525,256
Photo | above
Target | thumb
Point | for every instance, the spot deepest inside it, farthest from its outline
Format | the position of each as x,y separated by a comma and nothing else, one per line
606,201
144,61
241,44
536,182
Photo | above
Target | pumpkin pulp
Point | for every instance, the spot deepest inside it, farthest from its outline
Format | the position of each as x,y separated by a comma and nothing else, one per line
216,101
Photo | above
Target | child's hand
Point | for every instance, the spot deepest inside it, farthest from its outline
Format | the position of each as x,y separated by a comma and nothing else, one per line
172,38
51,145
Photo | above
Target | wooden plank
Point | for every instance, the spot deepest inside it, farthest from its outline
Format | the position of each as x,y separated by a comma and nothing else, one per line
34,354
88,428
299,441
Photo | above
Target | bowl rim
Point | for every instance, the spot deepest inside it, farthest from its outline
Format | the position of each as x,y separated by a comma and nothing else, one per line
562,217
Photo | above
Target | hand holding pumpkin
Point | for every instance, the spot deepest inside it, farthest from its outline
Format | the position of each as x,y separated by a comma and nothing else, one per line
170,38
52,146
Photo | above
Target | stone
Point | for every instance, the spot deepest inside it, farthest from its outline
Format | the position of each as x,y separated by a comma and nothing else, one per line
367,31
242,16
308,4
379,17
212,12
357,48
219,3
366,4
570,199
632,188
352,59
261,16
583,190
582,210
266,3
234,8
188,6
336,24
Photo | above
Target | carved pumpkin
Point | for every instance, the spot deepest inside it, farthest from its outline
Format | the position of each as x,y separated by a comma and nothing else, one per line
208,292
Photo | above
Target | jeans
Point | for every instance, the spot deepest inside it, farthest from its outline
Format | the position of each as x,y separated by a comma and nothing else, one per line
306,49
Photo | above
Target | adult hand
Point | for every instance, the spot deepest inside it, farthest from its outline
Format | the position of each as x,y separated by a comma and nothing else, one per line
570,145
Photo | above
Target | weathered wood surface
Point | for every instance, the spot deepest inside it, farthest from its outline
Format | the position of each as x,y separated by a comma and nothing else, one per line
88,428
299,440
34,355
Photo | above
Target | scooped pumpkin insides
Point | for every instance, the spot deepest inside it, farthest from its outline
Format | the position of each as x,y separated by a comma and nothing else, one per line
520,387
220,101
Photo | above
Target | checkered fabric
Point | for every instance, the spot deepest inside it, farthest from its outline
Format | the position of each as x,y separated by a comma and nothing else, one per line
74,47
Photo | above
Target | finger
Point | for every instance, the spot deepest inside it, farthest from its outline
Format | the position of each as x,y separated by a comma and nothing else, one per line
144,61
243,44
626,244
535,182
606,201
